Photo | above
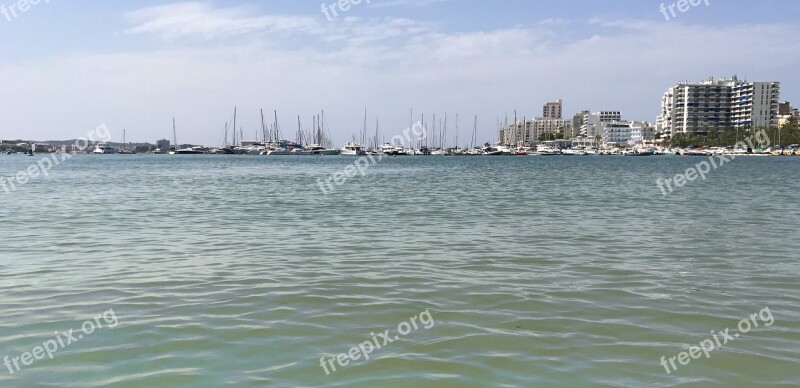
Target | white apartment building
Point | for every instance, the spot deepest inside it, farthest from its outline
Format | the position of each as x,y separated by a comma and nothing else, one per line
698,107
553,110
616,132
527,132
627,133
590,126
755,104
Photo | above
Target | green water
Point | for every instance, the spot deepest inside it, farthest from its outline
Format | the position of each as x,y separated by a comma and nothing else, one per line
537,271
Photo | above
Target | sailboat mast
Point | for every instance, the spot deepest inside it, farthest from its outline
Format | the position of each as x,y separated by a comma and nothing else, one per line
444,132
277,131
263,128
174,134
299,131
474,132
456,131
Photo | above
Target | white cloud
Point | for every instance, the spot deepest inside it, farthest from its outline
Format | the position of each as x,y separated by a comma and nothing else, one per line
405,3
201,19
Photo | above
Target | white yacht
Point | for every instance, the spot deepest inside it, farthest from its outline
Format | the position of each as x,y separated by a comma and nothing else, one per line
189,151
316,149
388,149
282,152
498,150
548,151
254,149
104,149
353,149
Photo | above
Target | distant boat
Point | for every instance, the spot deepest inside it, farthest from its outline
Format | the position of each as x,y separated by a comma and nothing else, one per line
189,151
104,149
642,152
393,150
124,150
497,151
316,149
174,149
548,151
353,149
159,151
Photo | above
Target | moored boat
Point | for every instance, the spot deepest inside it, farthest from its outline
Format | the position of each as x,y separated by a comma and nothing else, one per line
353,149
104,149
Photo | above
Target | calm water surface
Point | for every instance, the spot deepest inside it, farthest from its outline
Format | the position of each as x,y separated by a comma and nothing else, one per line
563,271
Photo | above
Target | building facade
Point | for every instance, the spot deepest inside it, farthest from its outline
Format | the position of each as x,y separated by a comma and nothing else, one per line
590,128
527,132
553,110
718,104
163,144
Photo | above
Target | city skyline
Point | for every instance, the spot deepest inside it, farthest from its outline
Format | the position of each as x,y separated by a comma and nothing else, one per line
141,65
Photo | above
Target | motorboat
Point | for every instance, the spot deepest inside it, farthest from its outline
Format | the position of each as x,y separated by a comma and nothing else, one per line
316,149
548,151
353,149
497,150
393,150
104,149
189,151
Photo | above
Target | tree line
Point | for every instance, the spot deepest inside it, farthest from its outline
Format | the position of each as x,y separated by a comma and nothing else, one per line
779,137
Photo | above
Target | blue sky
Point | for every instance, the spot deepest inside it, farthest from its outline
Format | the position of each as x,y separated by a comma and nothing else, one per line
70,66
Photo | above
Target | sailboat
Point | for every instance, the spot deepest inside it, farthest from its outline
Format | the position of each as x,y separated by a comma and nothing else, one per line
186,151
276,147
124,150
319,148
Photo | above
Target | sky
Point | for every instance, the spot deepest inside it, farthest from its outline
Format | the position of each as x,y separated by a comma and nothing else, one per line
68,66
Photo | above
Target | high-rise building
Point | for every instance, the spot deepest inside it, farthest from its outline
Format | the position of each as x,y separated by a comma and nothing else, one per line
784,108
578,120
163,144
553,110
592,121
718,104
